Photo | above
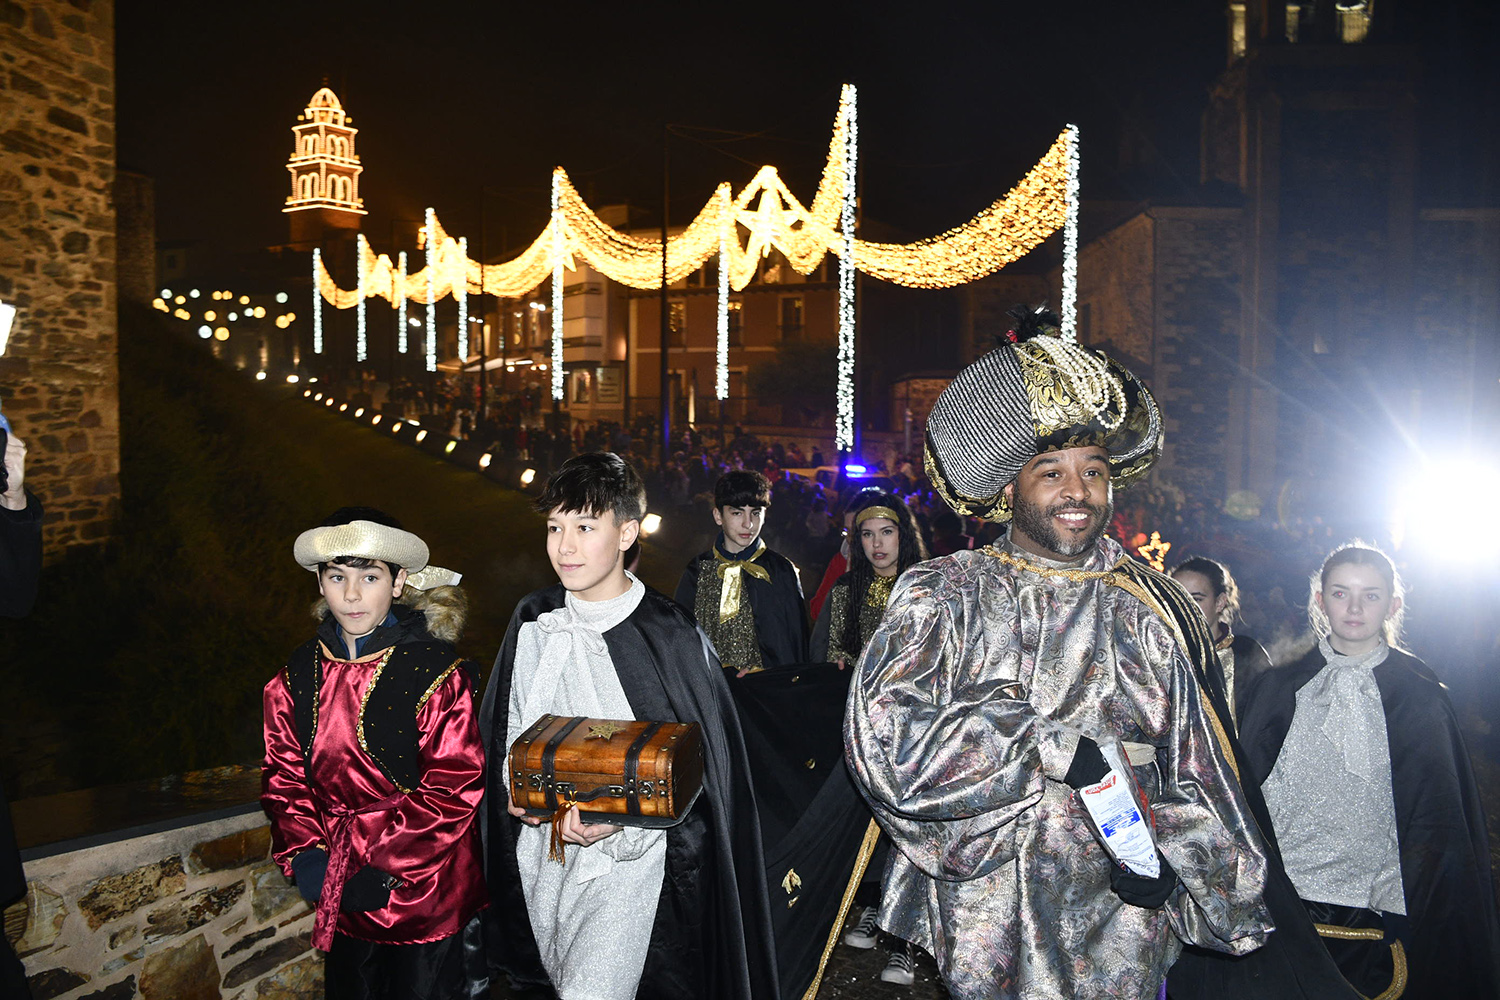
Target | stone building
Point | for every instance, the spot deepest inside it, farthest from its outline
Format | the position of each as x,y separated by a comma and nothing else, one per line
1316,306
59,375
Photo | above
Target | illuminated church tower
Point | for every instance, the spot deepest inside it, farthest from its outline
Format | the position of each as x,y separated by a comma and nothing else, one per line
325,169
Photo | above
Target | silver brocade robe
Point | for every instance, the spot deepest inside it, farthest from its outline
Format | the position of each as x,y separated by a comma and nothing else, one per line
963,717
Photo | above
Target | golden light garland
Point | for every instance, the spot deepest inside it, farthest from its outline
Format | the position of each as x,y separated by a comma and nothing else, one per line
770,217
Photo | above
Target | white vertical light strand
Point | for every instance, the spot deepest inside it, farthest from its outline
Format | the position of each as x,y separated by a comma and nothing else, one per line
400,298
431,291
361,344
1070,243
317,302
461,293
844,425
557,292
721,359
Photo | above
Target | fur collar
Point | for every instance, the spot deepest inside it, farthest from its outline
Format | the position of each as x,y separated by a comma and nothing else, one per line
444,608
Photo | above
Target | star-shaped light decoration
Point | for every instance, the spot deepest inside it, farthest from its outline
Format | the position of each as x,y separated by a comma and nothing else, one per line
770,220
1155,552
604,731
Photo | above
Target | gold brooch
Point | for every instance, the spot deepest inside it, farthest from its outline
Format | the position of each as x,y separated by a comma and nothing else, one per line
604,731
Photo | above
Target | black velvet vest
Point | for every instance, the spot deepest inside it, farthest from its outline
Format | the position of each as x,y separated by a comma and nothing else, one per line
415,664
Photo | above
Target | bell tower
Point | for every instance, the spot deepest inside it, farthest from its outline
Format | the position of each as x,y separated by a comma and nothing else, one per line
324,169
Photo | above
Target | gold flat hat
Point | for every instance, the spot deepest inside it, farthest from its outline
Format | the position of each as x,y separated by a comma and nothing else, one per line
369,540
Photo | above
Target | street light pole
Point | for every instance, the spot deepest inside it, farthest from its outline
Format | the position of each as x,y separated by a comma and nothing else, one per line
483,258
666,319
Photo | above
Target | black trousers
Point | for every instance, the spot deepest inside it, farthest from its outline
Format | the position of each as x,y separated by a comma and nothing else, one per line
1371,964
450,969
13,985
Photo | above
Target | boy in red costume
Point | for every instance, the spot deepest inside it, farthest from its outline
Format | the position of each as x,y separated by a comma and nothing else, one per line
374,769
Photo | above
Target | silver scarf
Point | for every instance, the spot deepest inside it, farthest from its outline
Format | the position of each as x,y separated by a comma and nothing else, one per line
1330,792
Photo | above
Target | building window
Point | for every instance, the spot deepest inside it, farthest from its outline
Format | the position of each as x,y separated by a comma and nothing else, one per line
309,145
340,146
736,323
1354,20
305,186
1237,39
791,317
1293,22
677,321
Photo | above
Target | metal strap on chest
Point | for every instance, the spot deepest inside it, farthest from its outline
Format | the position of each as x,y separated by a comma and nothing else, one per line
633,767
549,761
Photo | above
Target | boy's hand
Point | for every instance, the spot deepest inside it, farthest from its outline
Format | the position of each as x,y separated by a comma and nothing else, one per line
14,497
575,831
308,869
520,814
368,889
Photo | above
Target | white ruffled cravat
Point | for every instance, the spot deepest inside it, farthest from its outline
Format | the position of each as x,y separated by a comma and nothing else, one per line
1345,693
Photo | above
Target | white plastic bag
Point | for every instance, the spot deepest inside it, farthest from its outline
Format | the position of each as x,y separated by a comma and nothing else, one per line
1121,822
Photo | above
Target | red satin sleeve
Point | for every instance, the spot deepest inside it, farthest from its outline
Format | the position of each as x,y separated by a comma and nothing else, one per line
285,794
420,833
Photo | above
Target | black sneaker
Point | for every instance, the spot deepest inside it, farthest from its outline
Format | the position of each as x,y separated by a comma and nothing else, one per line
863,932
902,967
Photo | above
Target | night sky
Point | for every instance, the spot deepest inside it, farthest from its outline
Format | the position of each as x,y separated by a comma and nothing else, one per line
956,102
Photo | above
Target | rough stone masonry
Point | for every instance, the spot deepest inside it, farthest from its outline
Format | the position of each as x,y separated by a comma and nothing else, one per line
59,380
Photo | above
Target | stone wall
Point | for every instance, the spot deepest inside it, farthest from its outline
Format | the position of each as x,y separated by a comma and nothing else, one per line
1115,307
59,377
195,913
1196,356
135,223
1456,353
986,302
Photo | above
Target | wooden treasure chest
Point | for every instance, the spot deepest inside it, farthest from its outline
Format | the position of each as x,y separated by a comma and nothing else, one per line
644,774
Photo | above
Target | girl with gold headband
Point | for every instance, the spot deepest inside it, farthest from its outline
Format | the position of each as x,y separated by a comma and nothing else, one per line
885,544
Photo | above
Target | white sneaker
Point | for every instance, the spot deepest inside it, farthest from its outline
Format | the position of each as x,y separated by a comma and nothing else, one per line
862,932
902,967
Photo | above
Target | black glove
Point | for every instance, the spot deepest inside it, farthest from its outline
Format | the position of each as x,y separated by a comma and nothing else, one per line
308,869
1138,890
1089,766
367,889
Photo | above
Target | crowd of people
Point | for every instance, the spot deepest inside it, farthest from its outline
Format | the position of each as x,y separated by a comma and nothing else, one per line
1057,770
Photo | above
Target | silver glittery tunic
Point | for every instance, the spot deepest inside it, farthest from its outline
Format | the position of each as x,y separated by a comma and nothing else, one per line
963,717
593,915
1330,792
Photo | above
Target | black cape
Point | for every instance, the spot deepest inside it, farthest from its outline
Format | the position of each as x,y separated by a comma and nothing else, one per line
712,936
20,569
781,625
1293,963
812,818
1445,863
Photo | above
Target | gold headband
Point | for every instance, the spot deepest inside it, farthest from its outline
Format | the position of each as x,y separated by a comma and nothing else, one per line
870,513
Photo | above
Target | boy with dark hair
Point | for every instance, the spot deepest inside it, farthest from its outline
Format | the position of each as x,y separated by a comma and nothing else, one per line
374,768
744,596
667,914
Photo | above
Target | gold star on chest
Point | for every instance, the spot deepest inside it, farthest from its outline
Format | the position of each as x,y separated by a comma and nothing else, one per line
604,731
